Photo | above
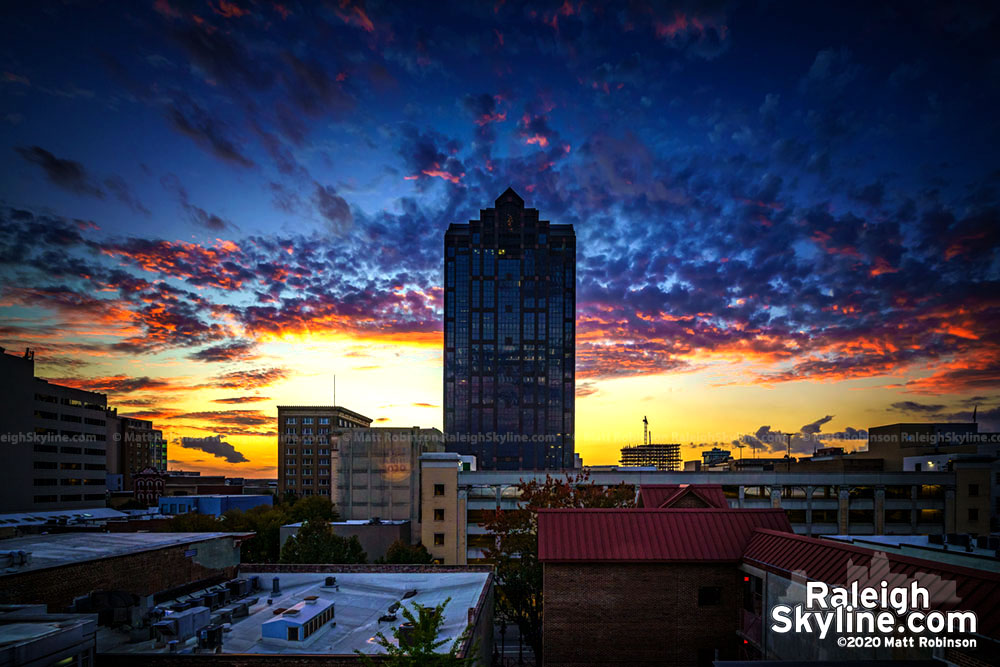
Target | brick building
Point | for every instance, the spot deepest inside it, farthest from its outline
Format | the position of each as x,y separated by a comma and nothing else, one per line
644,586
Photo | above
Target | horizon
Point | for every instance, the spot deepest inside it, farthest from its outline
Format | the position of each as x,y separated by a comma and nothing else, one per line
787,218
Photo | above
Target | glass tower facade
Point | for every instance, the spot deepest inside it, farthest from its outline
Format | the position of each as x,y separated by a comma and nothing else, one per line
509,338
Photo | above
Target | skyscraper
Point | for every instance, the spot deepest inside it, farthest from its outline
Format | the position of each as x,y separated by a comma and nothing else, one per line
509,330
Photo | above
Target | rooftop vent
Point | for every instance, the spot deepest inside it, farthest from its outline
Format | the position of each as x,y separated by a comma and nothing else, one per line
279,610
409,594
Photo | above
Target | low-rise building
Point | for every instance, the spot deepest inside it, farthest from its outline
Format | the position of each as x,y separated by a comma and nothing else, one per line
32,637
375,535
318,614
214,505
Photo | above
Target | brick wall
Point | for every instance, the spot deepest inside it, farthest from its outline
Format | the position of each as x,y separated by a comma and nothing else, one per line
143,573
638,614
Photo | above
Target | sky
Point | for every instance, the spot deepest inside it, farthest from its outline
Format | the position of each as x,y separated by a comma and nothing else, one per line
786,213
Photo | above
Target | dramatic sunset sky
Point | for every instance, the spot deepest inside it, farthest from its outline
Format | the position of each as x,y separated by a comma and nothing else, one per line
787,216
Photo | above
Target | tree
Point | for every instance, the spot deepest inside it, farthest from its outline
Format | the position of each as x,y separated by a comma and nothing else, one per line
265,522
417,645
401,552
192,522
312,508
316,542
515,553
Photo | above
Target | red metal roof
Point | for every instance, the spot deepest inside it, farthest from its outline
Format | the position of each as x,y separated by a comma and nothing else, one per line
667,495
644,535
835,563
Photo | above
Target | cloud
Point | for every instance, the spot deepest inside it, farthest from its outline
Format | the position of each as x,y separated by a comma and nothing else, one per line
207,131
237,350
333,208
241,399
67,174
249,379
214,445
913,406
198,215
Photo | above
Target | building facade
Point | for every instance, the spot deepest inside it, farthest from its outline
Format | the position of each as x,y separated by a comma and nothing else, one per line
510,330
861,503
133,447
304,437
55,441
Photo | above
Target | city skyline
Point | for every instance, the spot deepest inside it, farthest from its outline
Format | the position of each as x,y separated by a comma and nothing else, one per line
787,216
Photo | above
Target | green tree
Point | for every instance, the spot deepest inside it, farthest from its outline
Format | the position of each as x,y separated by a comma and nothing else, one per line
316,542
418,645
192,522
265,522
401,552
312,508
515,552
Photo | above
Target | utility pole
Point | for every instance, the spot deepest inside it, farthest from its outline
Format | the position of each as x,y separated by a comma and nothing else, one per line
788,452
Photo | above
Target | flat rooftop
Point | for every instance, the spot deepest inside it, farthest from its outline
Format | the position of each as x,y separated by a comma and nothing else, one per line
67,548
360,599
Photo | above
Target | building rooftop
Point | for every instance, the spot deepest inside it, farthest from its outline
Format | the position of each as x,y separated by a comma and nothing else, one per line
360,599
667,495
66,548
70,516
651,535
327,408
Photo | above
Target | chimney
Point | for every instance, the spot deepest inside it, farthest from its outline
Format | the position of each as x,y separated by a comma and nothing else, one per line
275,586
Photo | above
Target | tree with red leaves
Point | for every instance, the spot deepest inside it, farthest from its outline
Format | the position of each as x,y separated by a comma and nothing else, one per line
515,553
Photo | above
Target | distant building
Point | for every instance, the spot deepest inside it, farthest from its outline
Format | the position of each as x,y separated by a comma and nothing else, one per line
662,457
134,446
54,440
212,505
148,486
304,445
510,338
715,455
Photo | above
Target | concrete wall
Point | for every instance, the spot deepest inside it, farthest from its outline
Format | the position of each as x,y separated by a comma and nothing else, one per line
638,614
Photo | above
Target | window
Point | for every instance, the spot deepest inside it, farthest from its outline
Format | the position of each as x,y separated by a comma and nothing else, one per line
973,514
439,539
439,489
709,596
307,420
973,490
290,420
438,515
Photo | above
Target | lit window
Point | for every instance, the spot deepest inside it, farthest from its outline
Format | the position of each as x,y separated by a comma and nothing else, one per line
439,539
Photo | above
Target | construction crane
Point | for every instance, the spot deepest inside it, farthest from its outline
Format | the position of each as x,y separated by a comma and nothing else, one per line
645,430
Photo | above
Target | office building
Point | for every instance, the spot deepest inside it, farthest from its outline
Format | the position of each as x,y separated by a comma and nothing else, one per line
54,440
304,445
133,447
509,349
661,457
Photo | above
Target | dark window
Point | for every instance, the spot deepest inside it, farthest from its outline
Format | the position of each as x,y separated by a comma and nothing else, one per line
439,515
439,489
439,539
973,490
709,596
973,514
